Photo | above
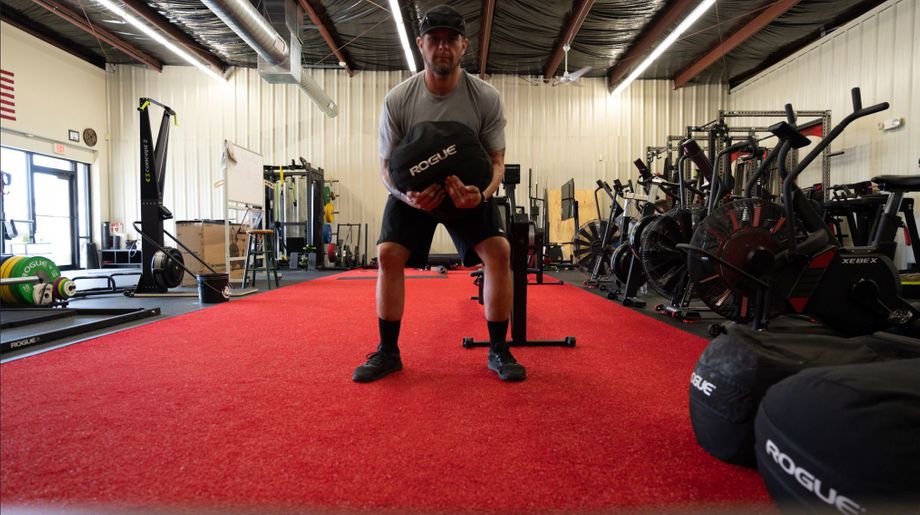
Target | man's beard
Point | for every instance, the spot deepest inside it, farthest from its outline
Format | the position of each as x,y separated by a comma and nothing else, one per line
442,67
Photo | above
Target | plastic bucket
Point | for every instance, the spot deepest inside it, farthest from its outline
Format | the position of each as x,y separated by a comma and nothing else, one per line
213,288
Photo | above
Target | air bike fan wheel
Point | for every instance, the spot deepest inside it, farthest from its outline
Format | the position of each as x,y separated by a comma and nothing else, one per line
748,234
619,263
588,246
666,265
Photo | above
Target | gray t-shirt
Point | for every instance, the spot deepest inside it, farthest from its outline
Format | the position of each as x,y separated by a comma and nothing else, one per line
474,103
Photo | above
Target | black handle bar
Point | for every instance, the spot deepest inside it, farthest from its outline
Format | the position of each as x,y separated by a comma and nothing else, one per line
858,112
789,184
693,151
606,187
644,172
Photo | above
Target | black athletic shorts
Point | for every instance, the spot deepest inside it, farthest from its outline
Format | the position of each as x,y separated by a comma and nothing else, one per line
414,229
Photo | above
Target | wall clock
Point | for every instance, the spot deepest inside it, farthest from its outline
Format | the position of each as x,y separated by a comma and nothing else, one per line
89,137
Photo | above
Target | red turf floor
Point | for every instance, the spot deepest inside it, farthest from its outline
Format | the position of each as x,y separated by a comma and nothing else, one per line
249,405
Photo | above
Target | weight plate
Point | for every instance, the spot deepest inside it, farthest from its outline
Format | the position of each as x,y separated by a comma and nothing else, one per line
6,292
42,294
63,288
3,266
68,289
37,266
57,287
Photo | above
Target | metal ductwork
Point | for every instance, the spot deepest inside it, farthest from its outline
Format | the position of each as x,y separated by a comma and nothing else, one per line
248,23
285,18
276,42
316,93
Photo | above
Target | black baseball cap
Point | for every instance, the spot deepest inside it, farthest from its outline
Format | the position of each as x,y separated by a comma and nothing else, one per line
442,17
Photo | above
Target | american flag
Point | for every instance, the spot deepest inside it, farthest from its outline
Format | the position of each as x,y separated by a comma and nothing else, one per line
7,98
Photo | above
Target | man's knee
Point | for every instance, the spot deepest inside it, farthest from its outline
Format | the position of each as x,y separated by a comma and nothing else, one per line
392,256
495,251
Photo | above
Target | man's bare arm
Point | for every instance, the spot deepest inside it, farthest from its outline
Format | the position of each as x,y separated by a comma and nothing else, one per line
425,200
498,172
388,182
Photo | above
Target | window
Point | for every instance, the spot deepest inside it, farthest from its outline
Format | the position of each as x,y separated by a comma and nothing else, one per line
46,207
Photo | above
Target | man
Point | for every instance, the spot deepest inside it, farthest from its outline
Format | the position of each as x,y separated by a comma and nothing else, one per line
442,92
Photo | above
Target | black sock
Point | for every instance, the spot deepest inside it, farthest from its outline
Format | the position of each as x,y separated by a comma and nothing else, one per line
497,332
389,335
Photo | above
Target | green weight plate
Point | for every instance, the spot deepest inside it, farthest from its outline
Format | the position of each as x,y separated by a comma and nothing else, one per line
41,267
16,289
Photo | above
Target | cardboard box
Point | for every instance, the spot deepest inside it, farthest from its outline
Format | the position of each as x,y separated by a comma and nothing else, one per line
206,240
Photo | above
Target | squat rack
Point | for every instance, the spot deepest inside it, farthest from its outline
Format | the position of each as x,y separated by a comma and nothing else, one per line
720,133
824,116
313,225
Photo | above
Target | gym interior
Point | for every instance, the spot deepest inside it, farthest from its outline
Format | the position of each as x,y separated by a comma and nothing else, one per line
714,260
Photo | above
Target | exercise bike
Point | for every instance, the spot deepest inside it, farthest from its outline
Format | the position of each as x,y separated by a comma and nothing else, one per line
758,259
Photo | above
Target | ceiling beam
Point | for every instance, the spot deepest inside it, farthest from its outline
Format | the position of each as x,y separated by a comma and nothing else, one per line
580,9
485,35
18,20
188,42
328,37
740,36
101,34
650,37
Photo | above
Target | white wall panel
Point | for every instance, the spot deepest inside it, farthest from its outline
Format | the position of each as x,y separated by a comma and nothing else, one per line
559,132
880,53
55,92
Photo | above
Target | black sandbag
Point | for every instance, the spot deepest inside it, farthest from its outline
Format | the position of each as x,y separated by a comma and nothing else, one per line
736,369
430,152
843,439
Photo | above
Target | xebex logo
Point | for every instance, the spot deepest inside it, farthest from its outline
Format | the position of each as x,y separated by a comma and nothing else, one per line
811,483
860,261
433,160
702,384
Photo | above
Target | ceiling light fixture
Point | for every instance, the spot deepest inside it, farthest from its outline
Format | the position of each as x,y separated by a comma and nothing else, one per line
668,41
403,36
156,36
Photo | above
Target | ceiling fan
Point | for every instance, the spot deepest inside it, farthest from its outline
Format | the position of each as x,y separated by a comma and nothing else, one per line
571,78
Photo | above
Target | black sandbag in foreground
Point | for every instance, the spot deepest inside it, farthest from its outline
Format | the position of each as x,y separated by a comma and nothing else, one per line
735,370
844,438
430,152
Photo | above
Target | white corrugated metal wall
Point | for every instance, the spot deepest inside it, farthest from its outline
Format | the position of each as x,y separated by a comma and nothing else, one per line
559,132
880,53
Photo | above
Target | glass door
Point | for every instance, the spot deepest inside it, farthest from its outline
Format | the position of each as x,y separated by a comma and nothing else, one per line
54,220
45,207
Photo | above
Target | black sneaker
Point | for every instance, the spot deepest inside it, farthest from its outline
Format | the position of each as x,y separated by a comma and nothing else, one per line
502,362
378,364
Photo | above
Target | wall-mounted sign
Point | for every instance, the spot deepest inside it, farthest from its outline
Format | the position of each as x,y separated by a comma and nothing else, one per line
73,136
58,148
